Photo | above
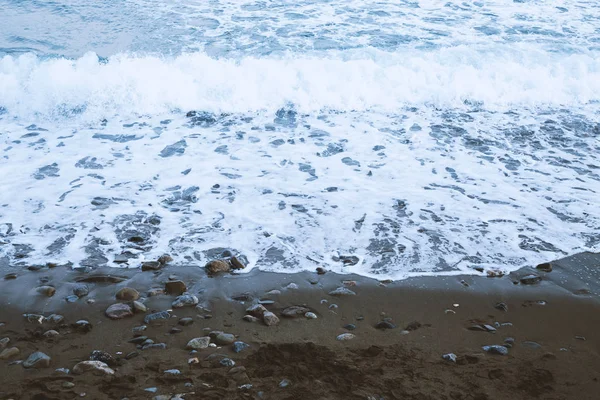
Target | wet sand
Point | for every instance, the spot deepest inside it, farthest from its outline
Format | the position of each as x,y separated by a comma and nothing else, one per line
555,324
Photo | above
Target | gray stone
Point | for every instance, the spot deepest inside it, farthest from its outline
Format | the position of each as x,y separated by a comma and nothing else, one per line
139,307
51,333
159,316
128,294
257,310
294,311
350,327
198,343
223,339
186,321
151,266
4,342
71,299
270,319
496,349
342,291
501,307
530,279
385,324
250,318
81,290
240,346
9,353
310,315
345,336
450,357
154,346
37,360
96,367
185,300
119,311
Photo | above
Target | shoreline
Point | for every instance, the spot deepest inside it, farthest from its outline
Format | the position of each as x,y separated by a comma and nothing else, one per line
554,324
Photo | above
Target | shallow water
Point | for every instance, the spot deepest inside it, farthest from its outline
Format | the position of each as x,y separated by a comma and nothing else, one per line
382,138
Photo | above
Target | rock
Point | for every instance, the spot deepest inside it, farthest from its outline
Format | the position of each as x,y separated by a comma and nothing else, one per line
236,264
294,311
119,311
580,338
223,339
321,271
68,385
198,343
413,326
350,327
531,345
4,342
242,297
218,266
81,290
495,273
159,316
83,326
349,283
266,302
342,291
99,355
176,288
137,330
545,267
385,324
185,300
489,328
510,341
151,266
96,367
345,336
71,299
496,349
227,362
310,315
257,310
131,355
37,360
139,307
138,339
530,279
172,372
250,318
239,346
284,383
174,330
270,319
47,291
450,357
9,353
155,292
10,276
154,346
186,321
501,307
292,286
51,333
273,292
164,259
128,294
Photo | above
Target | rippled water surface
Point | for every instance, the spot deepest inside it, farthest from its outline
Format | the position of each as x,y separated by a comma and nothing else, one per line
384,138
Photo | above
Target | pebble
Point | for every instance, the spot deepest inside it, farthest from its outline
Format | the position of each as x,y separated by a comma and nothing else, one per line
450,357
333,306
137,330
71,299
4,342
119,311
257,310
176,288
94,366
165,259
509,341
310,315
501,307
239,346
270,319
151,266
68,385
236,264
345,336
10,276
127,294
46,290
321,271
185,300
138,340
223,339
385,324
284,383
404,332
140,307
250,318
65,371
172,372
227,362
83,326
186,321
155,292
131,355
155,346
294,311
162,315
9,353
218,266
81,290
292,286
37,360
350,327
99,355
530,279
413,326
198,343
580,338
545,267
342,291
273,292
496,349
51,333
531,345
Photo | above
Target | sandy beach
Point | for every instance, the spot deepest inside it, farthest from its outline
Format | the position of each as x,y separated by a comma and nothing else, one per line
331,336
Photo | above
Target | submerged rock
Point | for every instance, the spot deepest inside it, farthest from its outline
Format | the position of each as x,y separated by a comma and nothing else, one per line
81,290
127,294
257,310
530,279
175,287
47,291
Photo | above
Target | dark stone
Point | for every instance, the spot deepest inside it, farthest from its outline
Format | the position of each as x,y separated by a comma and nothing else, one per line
175,330
530,279
83,326
138,340
159,316
321,271
501,307
176,288
81,290
294,311
546,267
413,326
386,324
37,360
151,266
131,355
218,266
496,349
186,321
98,355
127,294
236,264
350,327
10,276
224,338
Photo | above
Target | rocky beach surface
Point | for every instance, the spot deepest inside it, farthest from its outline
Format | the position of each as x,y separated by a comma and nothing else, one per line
180,332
